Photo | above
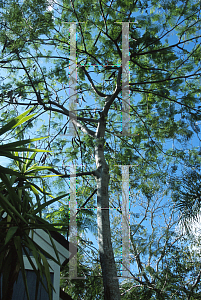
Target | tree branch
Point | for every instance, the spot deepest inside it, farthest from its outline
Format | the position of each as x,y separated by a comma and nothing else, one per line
92,84
166,79
71,175
83,205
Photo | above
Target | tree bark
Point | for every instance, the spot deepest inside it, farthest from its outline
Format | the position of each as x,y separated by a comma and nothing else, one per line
109,271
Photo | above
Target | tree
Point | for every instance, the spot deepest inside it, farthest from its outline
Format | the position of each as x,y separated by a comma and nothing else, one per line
186,194
163,83
163,265
19,213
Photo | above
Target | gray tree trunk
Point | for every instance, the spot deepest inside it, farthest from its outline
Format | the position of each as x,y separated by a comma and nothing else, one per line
109,271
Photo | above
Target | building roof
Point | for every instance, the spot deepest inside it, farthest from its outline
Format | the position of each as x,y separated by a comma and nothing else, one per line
62,241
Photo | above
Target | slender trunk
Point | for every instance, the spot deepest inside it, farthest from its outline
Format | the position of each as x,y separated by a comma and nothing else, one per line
109,272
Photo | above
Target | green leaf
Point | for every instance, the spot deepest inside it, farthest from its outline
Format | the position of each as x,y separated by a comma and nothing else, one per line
10,209
10,155
14,198
47,275
30,150
23,120
54,247
48,203
31,158
14,145
5,170
30,244
14,122
18,247
10,233
37,168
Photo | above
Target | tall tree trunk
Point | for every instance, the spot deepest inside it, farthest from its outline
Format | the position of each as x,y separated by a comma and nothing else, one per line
109,271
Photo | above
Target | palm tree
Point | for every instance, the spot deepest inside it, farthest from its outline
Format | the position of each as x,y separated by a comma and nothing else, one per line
19,213
187,196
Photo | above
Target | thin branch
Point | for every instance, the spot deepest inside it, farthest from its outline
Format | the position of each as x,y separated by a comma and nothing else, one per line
196,281
83,205
166,79
163,96
67,112
92,84
106,29
84,128
161,49
71,175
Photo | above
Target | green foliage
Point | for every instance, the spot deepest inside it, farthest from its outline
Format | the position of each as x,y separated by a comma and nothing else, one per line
186,194
164,68
19,214
91,285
